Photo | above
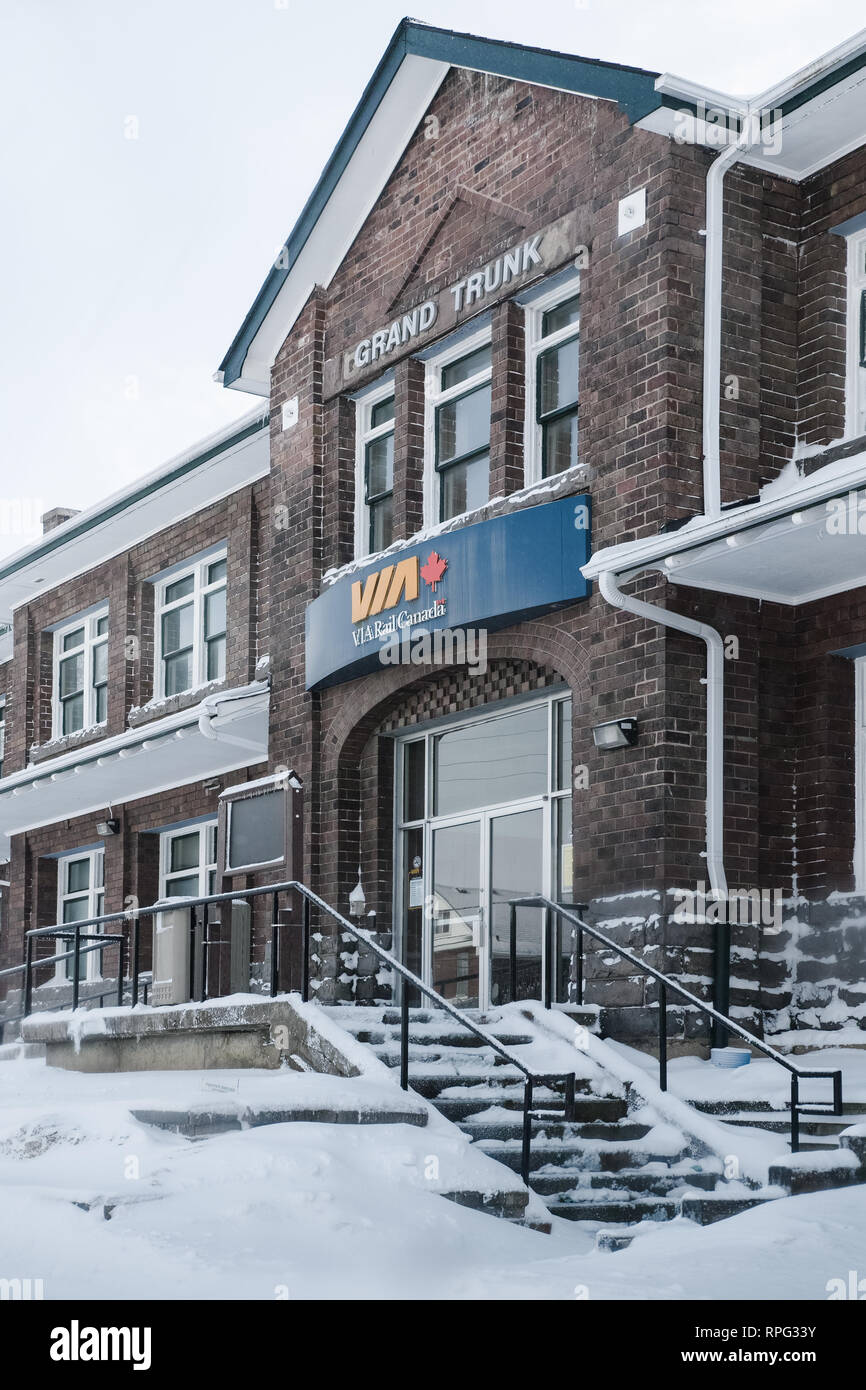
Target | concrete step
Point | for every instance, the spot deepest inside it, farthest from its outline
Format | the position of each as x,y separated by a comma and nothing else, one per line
626,1213
479,1129
508,1204
431,1084
20,1051
627,1180
202,1122
586,1108
796,1177
717,1206
575,1155
827,1126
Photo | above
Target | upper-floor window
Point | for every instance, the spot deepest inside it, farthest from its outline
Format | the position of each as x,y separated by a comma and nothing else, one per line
2,734
81,674
855,423
374,508
188,861
458,429
552,354
191,627
80,896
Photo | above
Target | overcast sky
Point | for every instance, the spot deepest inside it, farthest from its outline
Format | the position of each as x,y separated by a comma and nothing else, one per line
128,264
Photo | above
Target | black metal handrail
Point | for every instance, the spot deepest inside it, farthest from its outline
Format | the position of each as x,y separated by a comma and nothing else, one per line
665,984
199,913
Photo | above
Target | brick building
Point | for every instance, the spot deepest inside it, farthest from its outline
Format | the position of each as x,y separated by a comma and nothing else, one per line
622,664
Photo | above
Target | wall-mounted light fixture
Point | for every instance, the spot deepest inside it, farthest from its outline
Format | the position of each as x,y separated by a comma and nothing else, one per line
357,899
107,827
616,733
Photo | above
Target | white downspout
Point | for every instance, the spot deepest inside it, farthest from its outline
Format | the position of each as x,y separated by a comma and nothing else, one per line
609,586
713,311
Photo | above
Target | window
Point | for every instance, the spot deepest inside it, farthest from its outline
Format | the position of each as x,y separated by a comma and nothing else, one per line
188,860
374,509
191,627
2,734
552,354
458,430
855,421
81,674
81,896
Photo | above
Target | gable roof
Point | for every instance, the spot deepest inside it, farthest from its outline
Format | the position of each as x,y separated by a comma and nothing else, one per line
394,101
821,108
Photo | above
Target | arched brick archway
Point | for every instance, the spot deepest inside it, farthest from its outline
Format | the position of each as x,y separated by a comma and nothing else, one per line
356,767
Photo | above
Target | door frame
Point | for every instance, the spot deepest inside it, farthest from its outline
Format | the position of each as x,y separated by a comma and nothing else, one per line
551,697
483,819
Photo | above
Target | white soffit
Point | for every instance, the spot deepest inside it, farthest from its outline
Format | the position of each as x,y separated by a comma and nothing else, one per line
811,134
792,560
224,732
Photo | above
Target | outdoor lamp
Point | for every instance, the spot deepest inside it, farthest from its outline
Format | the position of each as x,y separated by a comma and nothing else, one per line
357,900
616,733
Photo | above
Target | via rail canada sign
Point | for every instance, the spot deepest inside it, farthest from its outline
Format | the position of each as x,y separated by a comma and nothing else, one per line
494,574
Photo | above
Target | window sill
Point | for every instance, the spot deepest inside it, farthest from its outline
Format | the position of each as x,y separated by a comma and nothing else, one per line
171,704
560,485
64,743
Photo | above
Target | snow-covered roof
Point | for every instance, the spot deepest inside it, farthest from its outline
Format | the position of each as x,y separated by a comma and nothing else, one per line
794,545
212,468
226,730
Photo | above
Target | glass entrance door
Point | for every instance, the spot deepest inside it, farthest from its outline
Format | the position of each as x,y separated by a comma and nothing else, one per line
456,923
483,816
517,870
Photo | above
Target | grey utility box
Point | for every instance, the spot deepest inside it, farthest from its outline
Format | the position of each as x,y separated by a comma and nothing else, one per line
229,926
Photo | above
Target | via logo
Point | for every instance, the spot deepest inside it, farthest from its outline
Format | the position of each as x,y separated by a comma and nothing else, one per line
853,1289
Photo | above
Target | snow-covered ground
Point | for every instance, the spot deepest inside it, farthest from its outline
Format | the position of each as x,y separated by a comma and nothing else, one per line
316,1211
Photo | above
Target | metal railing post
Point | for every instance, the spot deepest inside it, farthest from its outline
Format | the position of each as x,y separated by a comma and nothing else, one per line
547,963
404,1040
275,945
136,956
795,1113
28,976
76,957
121,969
527,1130
569,1096
192,913
663,1038
579,947
305,948
512,950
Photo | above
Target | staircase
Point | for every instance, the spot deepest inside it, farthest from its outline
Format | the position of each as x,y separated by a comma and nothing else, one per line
817,1134
615,1163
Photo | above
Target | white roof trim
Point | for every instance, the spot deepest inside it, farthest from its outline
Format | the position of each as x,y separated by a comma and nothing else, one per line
380,148
833,481
224,731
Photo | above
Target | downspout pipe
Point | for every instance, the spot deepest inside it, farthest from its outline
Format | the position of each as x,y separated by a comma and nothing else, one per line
608,583
713,310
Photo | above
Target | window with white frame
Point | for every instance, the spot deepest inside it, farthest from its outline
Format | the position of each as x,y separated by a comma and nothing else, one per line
80,896
2,734
458,429
374,471
552,356
188,859
855,422
191,627
81,674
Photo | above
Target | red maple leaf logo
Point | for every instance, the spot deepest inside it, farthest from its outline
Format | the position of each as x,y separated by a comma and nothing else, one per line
433,570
